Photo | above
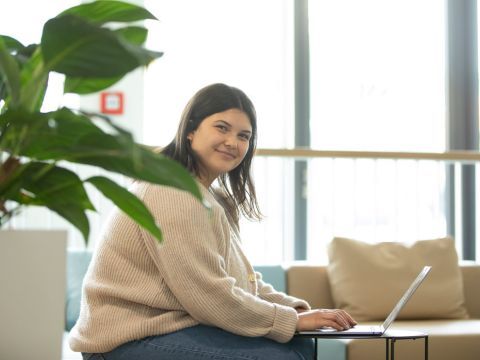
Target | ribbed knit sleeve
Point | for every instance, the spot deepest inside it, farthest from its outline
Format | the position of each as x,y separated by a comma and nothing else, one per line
267,292
194,263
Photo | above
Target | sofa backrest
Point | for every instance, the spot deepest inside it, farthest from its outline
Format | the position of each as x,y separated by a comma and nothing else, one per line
311,283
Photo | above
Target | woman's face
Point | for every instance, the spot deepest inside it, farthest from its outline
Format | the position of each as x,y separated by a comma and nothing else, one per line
221,142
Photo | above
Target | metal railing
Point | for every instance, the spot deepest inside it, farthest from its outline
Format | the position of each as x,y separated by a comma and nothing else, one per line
368,195
452,156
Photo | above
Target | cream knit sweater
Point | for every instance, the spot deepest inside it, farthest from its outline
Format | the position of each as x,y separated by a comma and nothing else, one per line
135,287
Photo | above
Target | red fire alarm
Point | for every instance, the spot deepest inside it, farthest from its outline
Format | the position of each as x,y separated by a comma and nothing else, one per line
111,102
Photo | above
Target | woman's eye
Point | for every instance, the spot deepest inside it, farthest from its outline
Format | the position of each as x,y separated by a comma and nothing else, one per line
244,137
222,127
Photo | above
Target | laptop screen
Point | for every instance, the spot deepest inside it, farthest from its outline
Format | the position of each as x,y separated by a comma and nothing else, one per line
406,296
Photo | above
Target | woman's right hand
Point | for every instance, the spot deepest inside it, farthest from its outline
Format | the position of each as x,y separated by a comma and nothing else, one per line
317,318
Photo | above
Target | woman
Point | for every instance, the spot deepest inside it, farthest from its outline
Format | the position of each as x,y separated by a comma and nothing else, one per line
195,296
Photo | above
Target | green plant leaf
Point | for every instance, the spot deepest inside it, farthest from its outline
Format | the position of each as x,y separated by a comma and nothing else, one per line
9,73
3,92
128,203
11,178
43,136
34,79
61,191
74,215
68,42
11,43
135,34
109,11
54,187
84,86
115,153
70,212
24,54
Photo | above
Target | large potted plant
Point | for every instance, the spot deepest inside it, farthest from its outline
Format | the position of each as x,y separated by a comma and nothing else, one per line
36,146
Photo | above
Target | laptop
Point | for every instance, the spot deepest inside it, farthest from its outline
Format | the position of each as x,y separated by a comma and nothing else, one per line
367,330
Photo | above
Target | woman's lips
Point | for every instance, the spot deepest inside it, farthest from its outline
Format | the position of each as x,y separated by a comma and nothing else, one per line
226,153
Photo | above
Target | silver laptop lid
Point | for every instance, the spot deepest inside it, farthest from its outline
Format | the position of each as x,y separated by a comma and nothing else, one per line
406,296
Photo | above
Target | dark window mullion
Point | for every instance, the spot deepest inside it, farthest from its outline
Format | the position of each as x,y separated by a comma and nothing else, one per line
302,123
462,112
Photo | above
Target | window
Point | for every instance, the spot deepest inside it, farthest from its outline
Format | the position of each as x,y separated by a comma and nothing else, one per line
244,43
377,75
377,84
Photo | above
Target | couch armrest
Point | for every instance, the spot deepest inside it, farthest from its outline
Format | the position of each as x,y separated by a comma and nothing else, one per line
471,288
310,282
77,265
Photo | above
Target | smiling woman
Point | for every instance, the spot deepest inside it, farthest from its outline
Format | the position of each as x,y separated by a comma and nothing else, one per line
197,294
220,143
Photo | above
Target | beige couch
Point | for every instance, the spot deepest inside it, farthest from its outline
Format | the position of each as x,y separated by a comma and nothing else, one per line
457,339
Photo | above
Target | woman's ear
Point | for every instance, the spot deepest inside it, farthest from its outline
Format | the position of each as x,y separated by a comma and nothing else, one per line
190,136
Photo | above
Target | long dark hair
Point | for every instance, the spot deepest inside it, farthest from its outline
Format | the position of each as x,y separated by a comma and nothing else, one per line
237,187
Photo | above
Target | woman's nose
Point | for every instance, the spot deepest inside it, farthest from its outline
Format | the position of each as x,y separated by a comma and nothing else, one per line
231,141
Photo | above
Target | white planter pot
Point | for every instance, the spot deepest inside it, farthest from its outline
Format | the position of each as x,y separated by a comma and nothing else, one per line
32,294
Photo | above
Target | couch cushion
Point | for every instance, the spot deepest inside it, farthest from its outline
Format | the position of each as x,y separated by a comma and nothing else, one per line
77,265
368,279
448,339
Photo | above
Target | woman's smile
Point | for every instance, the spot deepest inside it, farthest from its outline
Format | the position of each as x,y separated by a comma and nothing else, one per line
226,154
220,143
